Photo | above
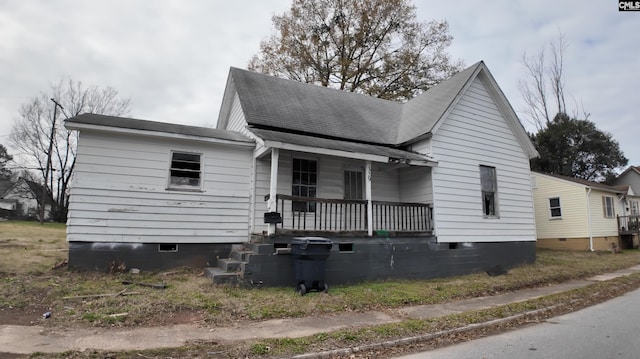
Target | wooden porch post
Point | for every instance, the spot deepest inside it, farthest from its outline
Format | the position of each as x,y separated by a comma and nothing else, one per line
367,188
273,187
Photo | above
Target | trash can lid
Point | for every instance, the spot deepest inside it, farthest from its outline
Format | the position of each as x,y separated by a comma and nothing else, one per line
308,240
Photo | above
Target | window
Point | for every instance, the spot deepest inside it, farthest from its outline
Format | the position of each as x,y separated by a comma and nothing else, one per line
609,211
185,171
634,208
554,207
353,181
489,189
305,184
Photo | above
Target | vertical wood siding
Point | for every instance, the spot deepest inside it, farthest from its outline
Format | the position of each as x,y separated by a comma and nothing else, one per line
119,192
475,133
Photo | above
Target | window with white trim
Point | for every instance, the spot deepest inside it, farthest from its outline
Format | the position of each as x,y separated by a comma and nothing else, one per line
634,208
185,171
554,207
609,209
305,184
489,186
353,185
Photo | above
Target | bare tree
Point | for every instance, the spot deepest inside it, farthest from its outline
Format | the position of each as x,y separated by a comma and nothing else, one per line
375,47
39,135
543,90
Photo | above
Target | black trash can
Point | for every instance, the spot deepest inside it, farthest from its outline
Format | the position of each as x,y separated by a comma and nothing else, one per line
309,263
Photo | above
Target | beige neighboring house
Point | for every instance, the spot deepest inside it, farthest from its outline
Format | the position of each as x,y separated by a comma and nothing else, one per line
575,214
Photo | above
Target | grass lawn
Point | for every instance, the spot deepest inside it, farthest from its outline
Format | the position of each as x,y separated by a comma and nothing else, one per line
30,287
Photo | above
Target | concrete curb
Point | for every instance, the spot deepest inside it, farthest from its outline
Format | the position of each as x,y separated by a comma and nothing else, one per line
421,338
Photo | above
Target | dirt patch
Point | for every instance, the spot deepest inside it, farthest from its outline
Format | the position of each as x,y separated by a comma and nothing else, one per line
26,316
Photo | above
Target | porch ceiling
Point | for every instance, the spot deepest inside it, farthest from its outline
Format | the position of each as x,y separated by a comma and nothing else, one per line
340,148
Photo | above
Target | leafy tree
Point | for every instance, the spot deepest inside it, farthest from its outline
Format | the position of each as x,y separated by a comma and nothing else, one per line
5,158
375,47
576,148
40,135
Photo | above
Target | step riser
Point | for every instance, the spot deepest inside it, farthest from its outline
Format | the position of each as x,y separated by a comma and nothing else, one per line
229,265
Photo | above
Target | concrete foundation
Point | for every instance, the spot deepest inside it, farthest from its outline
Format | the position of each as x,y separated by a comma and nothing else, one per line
99,256
361,259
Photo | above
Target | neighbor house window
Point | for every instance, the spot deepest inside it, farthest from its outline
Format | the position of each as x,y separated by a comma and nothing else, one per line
185,171
353,183
609,211
554,207
489,187
305,184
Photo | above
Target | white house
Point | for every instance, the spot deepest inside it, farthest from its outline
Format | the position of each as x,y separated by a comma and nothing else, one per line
436,186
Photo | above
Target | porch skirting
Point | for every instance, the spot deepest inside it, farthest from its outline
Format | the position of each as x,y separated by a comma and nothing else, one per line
103,256
355,260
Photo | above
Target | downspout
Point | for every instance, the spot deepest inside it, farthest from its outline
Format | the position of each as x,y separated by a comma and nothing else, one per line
589,219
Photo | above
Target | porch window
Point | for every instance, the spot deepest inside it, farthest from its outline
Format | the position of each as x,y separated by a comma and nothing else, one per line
185,171
634,208
609,210
353,183
554,207
489,188
305,184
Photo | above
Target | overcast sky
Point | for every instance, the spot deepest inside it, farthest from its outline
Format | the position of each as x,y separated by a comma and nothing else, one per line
172,57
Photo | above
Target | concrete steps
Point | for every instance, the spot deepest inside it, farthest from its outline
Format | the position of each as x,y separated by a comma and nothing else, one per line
232,269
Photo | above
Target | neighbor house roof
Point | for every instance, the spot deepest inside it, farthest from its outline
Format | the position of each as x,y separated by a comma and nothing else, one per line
5,184
89,120
586,183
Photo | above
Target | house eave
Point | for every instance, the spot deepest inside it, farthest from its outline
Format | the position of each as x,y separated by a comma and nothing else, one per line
82,126
345,154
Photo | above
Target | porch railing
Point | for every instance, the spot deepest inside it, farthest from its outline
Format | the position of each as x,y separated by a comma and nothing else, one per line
339,215
628,224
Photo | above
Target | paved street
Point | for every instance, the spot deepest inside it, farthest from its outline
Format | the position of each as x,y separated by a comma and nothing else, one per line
607,330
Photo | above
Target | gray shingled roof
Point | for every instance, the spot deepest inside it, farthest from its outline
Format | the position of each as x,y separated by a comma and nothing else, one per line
273,102
619,188
416,121
332,144
144,125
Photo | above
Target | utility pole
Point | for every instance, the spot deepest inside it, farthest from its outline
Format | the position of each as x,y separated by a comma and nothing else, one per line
48,166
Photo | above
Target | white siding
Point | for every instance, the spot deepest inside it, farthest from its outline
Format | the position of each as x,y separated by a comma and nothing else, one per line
632,179
415,185
237,121
119,192
475,133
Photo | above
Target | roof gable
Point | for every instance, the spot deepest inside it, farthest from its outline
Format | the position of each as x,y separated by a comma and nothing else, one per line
290,106
420,114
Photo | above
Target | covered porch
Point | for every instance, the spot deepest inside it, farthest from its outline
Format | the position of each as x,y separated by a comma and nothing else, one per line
350,217
338,188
